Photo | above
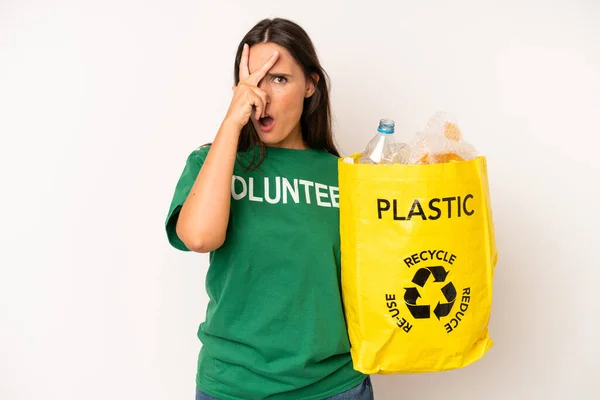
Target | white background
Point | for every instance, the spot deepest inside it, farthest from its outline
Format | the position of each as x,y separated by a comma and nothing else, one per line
101,102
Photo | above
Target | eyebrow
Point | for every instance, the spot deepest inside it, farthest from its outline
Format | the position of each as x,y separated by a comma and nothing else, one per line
273,74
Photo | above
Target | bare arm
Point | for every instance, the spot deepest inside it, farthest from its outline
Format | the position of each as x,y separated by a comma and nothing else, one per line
203,218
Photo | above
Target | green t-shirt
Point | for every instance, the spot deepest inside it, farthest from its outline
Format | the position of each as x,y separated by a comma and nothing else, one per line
275,326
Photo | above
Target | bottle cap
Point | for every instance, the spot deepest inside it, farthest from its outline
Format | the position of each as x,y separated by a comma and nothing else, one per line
386,126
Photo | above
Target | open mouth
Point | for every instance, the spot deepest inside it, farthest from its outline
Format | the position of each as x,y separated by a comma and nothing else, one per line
266,123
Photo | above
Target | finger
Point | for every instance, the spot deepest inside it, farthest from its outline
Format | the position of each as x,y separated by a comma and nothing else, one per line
258,105
257,75
264,97
244,72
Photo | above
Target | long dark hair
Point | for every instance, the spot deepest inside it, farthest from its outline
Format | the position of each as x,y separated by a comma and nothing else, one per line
316,114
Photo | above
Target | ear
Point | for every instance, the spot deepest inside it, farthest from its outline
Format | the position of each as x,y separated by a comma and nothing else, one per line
311,85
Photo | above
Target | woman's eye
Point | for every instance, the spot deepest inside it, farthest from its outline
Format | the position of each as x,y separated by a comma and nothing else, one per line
280,79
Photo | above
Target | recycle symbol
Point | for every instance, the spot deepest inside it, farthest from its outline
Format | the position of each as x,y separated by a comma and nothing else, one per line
412,294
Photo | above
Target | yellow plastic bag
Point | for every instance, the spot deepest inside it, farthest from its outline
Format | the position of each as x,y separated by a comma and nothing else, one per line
418,256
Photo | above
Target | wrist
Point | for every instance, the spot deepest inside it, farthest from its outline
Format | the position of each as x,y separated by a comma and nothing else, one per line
232,125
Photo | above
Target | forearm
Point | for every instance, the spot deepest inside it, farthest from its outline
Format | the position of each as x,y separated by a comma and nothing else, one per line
203,218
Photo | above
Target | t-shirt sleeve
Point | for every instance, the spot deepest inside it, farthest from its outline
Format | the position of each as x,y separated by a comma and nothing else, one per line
183,187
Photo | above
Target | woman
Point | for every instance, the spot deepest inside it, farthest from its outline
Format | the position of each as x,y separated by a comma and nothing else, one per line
263,200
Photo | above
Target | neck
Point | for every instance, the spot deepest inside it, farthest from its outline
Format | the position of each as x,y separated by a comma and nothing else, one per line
293,141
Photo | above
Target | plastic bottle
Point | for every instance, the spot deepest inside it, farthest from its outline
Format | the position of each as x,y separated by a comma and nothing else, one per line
382,149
